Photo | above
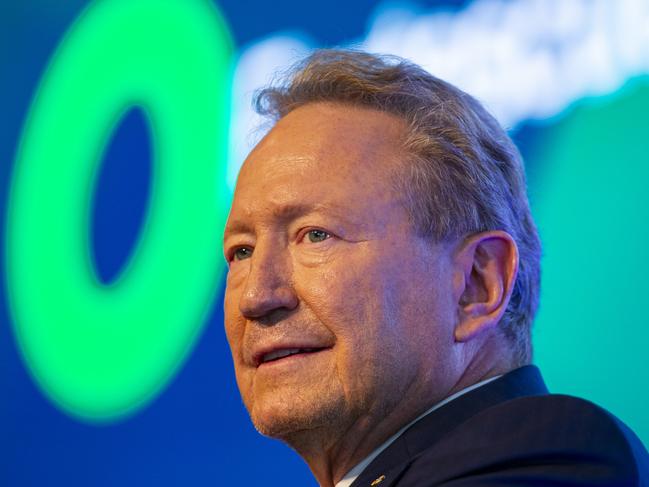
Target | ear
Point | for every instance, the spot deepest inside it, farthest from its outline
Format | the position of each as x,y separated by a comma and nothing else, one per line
485,271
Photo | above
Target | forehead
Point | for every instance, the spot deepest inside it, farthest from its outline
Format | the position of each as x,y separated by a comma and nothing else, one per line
323,153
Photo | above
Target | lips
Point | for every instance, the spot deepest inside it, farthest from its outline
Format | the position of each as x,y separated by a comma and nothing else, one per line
276,353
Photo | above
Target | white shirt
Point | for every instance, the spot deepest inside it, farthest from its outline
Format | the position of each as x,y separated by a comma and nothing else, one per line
353,474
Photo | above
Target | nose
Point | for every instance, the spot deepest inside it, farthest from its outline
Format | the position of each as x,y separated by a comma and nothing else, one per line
268,286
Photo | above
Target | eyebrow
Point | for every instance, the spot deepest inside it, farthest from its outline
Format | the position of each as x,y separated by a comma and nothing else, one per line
235,227
283,213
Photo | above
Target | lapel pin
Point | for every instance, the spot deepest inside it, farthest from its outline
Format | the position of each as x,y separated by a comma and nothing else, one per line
377,481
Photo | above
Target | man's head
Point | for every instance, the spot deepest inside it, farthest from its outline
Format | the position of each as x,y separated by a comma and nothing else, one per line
377,229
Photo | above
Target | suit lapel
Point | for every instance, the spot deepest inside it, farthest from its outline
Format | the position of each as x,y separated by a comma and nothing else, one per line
386,469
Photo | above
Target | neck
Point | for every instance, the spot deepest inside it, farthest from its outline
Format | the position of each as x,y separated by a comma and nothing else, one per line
331,451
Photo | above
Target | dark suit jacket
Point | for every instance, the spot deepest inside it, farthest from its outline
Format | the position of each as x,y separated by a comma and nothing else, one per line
512,432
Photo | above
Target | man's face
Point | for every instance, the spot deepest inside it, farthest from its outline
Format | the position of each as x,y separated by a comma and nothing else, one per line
335,310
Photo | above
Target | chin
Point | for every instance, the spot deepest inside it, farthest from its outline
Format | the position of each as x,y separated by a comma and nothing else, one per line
288,418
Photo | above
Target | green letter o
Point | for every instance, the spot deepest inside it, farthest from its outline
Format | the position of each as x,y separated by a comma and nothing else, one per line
101,351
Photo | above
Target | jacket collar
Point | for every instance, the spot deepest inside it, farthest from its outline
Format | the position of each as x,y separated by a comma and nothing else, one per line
390,464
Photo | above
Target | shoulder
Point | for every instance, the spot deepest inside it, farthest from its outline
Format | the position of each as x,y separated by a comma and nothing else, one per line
547,438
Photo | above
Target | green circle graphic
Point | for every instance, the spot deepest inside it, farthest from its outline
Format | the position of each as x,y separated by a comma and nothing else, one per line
102,351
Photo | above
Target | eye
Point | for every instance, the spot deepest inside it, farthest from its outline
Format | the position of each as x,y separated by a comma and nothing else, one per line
242,253
317,235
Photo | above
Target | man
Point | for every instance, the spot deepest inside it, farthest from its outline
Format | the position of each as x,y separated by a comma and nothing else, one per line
383,278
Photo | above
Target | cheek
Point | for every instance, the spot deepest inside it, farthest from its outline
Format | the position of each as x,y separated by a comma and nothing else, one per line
340,292
350,297
233,321
234,331
230,312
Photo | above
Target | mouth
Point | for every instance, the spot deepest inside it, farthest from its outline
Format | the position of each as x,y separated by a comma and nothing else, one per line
284,354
